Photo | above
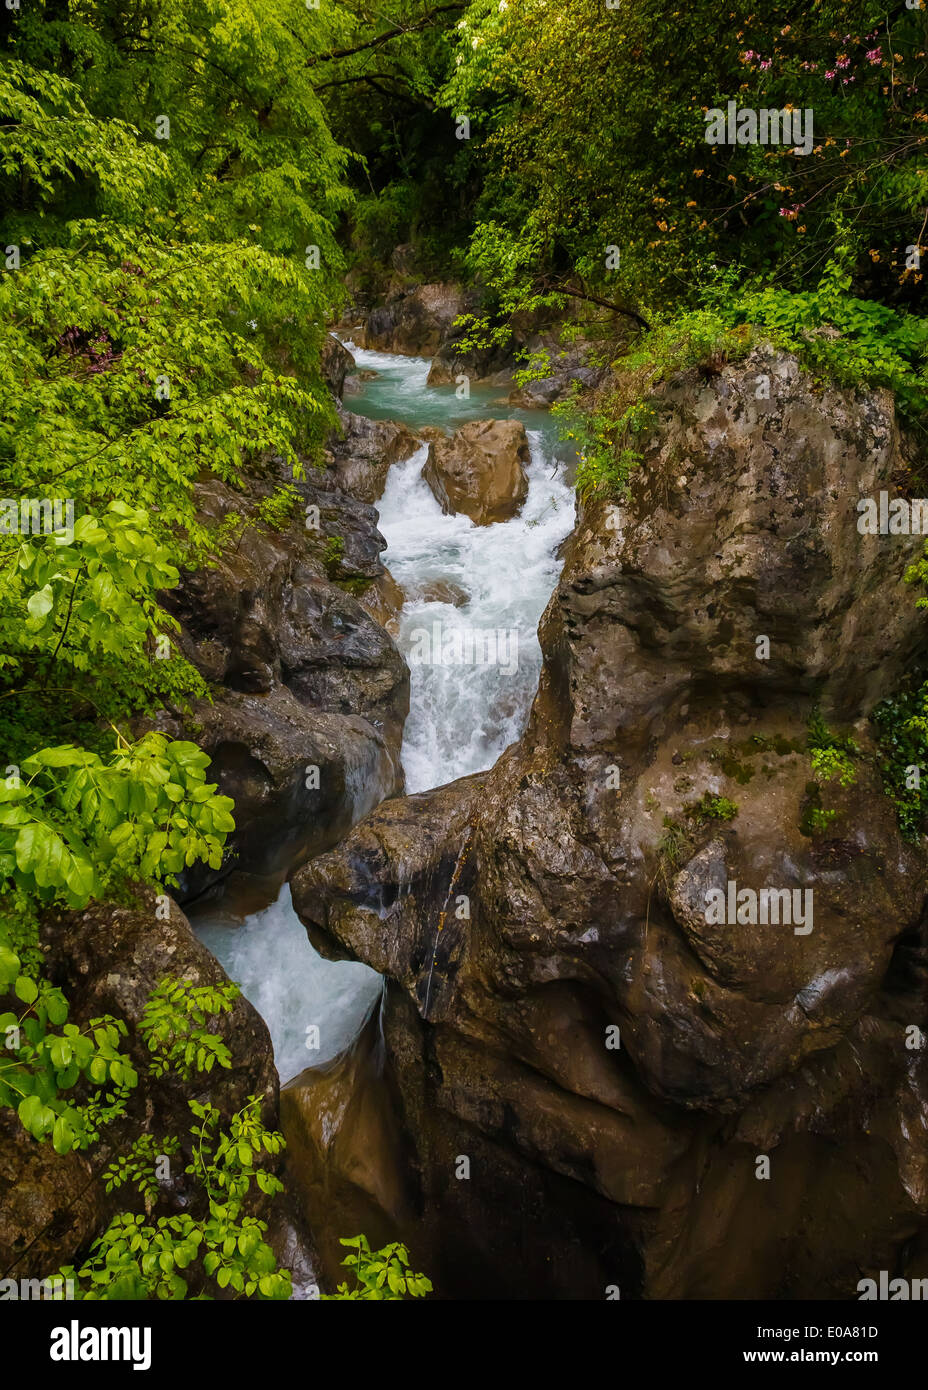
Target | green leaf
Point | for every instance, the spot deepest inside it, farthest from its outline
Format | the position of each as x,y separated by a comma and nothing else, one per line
26,989
40,603
9,966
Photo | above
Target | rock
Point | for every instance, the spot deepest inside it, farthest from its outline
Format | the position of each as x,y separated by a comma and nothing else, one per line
299,777
404,258
611,1061
384,600
439,591
575,361
302,677
567,366
480,470
412,321
491,366
354,383
360,457
50,1206
337,361
108,959
338,1129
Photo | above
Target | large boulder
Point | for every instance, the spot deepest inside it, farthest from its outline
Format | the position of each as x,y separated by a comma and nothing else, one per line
479,469
308,691
108,959
50,1206
337,362
362,451
680,1106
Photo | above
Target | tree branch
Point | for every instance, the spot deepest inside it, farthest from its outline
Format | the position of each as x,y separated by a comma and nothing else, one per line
605,303
386,36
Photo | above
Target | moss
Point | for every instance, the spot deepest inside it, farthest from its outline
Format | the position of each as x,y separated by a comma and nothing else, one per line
778,744
732,766
356,585
814,818
679,838
711,807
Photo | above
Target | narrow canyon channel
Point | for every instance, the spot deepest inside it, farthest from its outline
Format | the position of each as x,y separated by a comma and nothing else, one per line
456,576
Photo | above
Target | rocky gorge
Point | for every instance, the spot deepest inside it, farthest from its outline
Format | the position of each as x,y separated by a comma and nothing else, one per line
572,1080
580,1084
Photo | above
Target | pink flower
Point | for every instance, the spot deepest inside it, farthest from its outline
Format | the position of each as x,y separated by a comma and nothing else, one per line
830,75
765,64
875,55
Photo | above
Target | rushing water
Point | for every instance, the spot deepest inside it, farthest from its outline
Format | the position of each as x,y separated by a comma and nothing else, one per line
461,716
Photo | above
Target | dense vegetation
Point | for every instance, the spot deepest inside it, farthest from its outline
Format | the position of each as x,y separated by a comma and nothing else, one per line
185,186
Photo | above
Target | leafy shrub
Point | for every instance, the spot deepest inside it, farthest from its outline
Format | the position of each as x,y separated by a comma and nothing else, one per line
901,724
173,1026
379,1274
139,1259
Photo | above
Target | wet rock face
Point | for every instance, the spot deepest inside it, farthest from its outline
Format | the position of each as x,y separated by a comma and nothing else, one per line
362,452
303,677
49,1206
412,321
625,968
479,469
337,362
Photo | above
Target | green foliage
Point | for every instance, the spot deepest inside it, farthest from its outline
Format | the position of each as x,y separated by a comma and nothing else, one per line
590,128
173,1025
901,724
224,1249
710,808
379,1274
831,756
833,764
333,554
74,824
139,1166
64,1081
846,340
276,511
